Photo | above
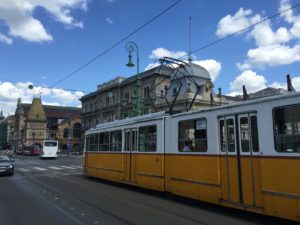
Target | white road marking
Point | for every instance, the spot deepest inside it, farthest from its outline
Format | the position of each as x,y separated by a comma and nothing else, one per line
76,166
77,173
68,167
54,168
39,168
24,170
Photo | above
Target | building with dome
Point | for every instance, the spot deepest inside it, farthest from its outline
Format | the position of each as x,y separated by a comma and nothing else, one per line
182,88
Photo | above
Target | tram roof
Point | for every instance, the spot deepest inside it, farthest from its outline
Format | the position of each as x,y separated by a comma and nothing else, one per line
143,118
242,103
159,115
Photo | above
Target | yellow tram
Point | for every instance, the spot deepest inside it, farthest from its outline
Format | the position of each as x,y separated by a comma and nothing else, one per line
245,155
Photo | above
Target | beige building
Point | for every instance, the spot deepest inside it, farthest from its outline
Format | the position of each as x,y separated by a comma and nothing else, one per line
163,88
34,123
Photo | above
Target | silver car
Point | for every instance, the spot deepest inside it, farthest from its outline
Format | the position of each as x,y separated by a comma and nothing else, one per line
6,166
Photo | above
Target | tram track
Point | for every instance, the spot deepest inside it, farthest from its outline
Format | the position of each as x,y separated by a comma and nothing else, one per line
65,198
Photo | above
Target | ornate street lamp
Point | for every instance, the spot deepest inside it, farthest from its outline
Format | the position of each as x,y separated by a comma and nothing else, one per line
132,47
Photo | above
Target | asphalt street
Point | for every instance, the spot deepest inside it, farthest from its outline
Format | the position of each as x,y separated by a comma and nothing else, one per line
57,192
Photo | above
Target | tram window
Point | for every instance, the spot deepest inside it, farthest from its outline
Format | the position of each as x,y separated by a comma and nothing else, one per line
287,129
244,134
222,136
87,143
127,141
92,142
192,136
230,135
116,141
147,139
254,134
104,141
227,135
96,142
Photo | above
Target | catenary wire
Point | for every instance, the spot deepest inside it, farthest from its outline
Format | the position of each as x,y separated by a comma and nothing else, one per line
242,30
114,45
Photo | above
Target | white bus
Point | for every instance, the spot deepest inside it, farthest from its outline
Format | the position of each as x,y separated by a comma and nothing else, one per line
50,148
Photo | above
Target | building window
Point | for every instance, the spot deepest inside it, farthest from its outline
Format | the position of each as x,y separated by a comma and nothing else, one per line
66,133
147,139
77,130
146,92
192,135
107,101
287,128
126,96
113,100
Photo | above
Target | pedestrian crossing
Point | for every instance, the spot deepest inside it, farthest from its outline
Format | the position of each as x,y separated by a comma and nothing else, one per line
49,168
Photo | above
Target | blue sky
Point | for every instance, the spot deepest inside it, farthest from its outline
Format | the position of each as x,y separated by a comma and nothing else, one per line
43,41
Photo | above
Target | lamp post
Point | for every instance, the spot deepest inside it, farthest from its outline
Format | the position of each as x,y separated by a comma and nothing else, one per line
132,47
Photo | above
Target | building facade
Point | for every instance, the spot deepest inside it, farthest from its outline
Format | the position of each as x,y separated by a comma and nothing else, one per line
160,90
3,131
34,123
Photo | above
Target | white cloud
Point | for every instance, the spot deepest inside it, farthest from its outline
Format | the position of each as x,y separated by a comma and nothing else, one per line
109,20
212,66
264,35
296,83
10,92
290,18
5,39
252,81
277,85
274,47
288,15
18,16
271,55
231,24
162,52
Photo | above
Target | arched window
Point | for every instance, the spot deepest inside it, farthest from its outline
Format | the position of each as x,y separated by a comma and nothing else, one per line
77,130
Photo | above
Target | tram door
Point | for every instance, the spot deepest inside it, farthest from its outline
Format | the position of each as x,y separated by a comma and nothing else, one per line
239,159
128,160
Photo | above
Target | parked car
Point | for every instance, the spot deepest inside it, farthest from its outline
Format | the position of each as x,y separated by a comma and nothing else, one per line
19,151
32,150
6,166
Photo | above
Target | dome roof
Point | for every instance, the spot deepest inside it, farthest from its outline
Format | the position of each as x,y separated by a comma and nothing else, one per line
194,70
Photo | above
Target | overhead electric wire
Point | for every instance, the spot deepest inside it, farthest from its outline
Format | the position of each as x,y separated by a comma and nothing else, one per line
240,31
114,45
154,18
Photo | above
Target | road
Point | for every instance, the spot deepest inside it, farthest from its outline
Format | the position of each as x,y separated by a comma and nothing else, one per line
56,192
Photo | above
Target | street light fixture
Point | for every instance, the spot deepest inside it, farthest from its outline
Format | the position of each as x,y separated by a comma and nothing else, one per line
132,47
